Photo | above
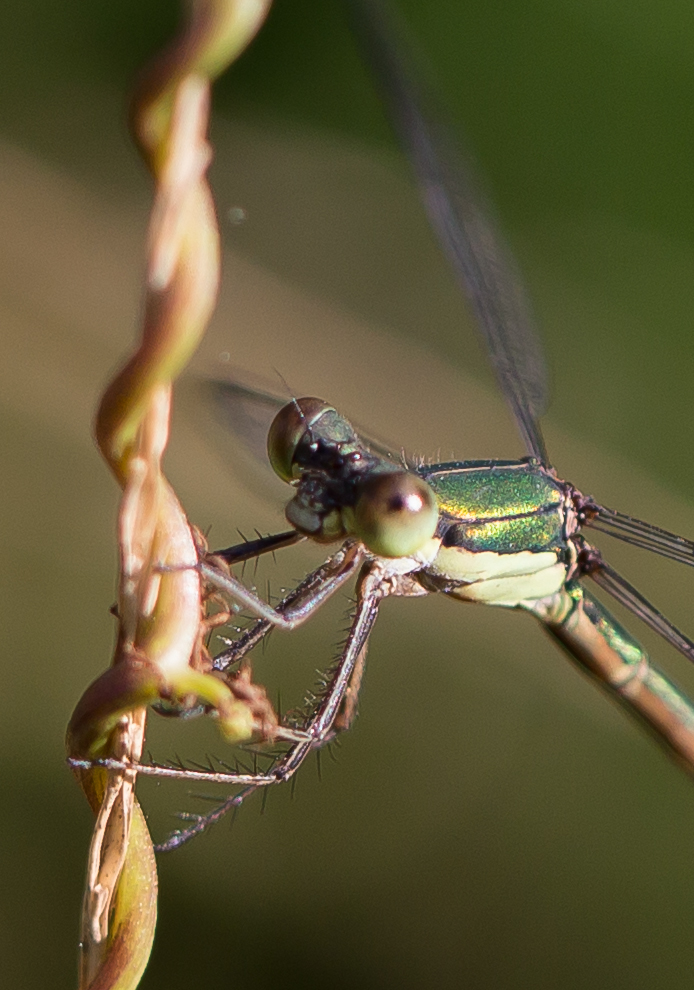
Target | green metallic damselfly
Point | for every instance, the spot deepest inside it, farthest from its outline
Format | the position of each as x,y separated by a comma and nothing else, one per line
505,533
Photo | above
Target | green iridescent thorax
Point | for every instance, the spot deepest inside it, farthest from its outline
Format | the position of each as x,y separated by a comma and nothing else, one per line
503,507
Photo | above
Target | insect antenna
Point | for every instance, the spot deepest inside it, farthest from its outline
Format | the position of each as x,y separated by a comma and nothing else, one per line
295,402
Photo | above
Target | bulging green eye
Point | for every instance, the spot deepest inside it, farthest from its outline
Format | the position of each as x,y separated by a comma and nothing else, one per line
395,514
287,430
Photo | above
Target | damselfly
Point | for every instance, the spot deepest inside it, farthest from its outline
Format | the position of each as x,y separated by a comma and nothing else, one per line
504,533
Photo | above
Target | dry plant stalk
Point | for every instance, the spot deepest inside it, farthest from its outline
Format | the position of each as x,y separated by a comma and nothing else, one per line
160,599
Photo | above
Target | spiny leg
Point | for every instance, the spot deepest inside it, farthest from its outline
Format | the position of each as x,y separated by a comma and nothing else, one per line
314,733
348,711
337,708
252,549
317,730
302,601
333,714
339,568
299,610
403,586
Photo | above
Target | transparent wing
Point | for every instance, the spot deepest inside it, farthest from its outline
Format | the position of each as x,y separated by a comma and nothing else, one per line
248,413
620,589
462,221
641,534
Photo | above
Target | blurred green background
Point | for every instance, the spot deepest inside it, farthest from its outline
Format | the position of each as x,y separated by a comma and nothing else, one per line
493,822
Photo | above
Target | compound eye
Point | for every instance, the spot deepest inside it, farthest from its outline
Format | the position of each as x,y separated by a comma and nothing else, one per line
395,514
288,429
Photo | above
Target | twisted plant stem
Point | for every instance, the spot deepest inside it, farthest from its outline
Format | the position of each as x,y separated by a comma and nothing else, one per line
159,599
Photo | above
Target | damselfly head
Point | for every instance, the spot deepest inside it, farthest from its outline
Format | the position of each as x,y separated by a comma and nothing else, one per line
343,488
